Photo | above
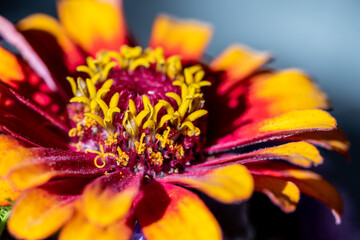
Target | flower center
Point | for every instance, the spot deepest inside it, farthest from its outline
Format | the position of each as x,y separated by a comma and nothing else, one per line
139,110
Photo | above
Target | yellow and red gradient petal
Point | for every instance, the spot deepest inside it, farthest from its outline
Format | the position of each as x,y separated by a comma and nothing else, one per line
308,182
7,192
79,228
186,38
298,153
238,62
282,193
334,140
277,94
94,24
49,25
10,68
166,211
229,184
50,163
276,128
39,213
301,153
12,152
112,194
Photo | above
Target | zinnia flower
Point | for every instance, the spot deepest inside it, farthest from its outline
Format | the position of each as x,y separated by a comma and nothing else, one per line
133,131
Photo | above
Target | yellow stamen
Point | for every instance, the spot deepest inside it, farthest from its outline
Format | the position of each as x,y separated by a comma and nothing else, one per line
100,155
140,146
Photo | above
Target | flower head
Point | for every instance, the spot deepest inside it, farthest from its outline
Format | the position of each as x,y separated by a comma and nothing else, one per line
132,130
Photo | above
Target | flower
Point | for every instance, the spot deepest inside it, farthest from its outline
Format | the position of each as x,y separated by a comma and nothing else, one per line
132,130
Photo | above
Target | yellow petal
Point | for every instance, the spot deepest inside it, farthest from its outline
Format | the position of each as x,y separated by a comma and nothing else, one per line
188,39
38,214
227,184
282,193
94,24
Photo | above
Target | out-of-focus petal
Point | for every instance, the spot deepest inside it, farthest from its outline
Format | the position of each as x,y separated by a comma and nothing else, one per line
39,213
282,193
275,95
308,182
7,192
279,127
188,39
12,36
39,28
10,68
238,62
12,153
94,24
165,211
79,228
227,184
301,153
112,194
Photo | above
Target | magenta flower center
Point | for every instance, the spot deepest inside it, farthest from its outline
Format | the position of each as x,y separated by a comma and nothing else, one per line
139,110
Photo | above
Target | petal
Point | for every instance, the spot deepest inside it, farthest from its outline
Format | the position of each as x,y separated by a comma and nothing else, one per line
112,194
12,152
308,182
50,163
7,192
227,184
276,128
45,34
238,62
94,24
302,154
334,140
10,68
39,213
165,211
282,193
186,38
79,228
12,36
268,97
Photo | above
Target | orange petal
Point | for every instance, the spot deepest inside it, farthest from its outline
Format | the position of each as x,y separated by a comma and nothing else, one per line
49,25
274,95
12,153
94,24
10,68
282,193
7,192
39,213
112,194
165,211
188,39
227,184
308,182
238,62
282,126
79,228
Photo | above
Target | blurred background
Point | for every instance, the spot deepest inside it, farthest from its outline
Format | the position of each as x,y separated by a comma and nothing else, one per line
322,38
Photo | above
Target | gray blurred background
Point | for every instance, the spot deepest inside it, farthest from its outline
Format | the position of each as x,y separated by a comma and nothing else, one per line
321,37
